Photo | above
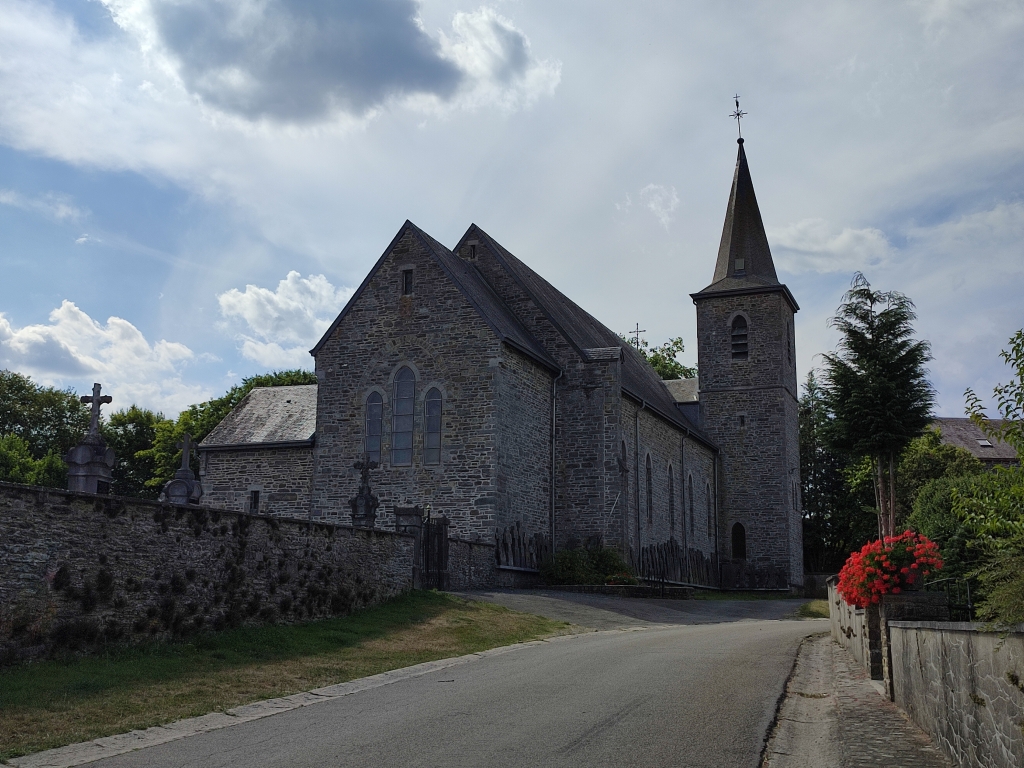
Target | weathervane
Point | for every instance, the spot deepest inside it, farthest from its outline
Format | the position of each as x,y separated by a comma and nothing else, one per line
738,115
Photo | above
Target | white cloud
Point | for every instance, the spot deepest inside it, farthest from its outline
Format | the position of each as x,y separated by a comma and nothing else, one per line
812,245
53,205
284,323
75,350
662,201
498,63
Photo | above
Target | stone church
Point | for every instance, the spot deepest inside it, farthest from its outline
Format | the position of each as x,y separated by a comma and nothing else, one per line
488,397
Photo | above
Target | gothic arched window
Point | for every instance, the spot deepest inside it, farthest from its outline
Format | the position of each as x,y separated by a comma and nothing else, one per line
650,492
739,338
711,510
739,542
689,502
671,503
432,427
402,417
372,431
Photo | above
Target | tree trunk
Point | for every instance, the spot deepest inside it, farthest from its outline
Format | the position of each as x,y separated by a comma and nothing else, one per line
892,493
880,496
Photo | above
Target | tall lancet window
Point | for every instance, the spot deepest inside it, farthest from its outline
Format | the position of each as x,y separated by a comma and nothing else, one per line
711,510
650,492
432,427
402,417
689,505
739,338
671,503
371,437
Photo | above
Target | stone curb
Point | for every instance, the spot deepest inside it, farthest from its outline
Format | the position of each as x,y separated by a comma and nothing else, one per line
110,746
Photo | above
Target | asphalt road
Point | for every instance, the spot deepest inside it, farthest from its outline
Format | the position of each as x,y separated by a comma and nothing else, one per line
690,695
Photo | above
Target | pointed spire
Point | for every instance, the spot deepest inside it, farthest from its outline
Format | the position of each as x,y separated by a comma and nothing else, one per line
744,255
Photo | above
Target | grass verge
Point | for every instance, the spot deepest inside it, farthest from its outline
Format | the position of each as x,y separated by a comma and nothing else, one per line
815,609
53,703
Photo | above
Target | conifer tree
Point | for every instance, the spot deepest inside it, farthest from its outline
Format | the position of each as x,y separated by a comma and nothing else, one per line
876,387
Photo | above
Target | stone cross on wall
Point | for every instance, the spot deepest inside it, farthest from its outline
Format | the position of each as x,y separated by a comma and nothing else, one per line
183,488
96,400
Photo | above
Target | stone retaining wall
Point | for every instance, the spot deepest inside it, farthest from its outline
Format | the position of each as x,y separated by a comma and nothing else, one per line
79,570
857,630
471,565
964,687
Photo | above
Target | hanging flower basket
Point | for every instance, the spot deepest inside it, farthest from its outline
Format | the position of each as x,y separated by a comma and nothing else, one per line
897,564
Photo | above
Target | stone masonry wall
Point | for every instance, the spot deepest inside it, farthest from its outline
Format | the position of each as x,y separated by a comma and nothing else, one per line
436,332
749,408
281,475
524,444
964,687
80,570
471,565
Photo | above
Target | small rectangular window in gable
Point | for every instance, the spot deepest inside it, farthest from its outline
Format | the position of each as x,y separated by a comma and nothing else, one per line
406,282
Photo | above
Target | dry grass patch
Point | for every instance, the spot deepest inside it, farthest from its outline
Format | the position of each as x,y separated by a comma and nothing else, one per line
54,703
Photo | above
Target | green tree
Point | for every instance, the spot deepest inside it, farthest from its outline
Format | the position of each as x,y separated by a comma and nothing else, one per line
131,432
663,359
18,465
876,387
200,419
927,458
994,507
837,519
49,420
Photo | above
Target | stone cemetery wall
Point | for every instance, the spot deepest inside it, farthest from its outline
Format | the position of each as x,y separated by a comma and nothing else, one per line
471,565
964,687
80,570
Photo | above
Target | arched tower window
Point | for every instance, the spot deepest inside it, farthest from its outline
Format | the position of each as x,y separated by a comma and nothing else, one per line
402,417
671,503
371,433
739,542
432,427
689,503
739,338
710,510
650,492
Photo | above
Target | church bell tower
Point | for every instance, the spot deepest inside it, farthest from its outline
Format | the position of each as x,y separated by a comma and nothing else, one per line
746,362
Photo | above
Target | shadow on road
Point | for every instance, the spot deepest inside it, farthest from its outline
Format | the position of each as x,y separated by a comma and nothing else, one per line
610,612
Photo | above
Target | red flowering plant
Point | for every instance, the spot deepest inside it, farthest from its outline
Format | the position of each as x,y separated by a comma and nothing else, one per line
888,567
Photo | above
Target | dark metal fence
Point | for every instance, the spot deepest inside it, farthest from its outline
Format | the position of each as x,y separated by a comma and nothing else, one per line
434,550
958,597
519,550
670,563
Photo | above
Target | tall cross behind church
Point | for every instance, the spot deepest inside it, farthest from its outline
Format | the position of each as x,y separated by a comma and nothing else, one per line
187,446
96,400
636,335
738,115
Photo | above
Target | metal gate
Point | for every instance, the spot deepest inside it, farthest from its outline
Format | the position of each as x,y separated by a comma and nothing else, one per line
434,549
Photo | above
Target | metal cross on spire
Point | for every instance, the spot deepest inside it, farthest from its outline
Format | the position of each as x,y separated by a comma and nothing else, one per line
96,400
738,115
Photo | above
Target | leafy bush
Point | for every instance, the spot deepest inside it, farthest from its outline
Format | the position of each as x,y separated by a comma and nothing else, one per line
934,517
584,566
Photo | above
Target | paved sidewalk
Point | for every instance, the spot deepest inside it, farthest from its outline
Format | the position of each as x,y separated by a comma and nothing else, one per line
833,717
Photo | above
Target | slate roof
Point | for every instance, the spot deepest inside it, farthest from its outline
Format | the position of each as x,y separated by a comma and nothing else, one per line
743,236
964,433
683,390
268,416
477,291
585,333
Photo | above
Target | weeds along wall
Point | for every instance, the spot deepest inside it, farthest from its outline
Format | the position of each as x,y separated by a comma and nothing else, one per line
78,571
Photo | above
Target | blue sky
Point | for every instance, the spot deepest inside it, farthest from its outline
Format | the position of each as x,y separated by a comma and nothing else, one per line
189,190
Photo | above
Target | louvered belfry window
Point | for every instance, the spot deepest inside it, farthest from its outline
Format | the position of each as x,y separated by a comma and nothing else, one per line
374,414
739,338
432,428
402,417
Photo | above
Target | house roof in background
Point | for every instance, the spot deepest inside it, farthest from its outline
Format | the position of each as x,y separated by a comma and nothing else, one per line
268,415
965,434
683,390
